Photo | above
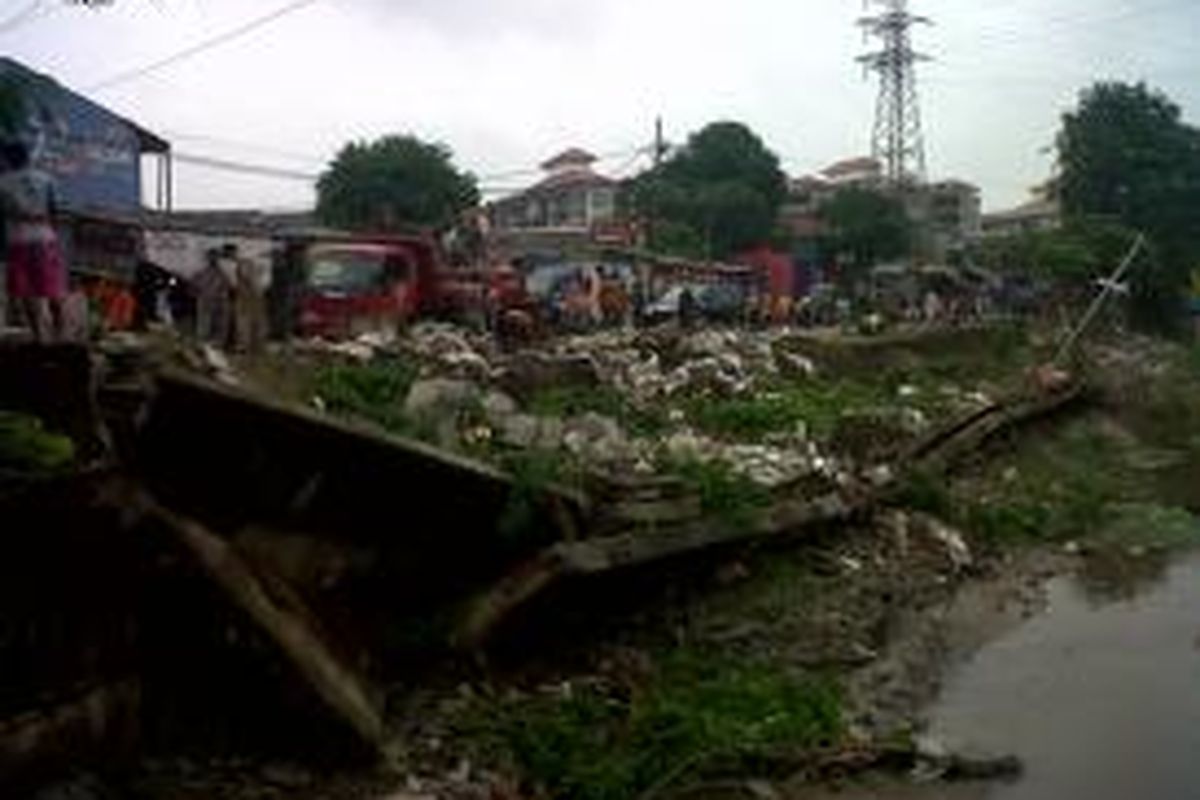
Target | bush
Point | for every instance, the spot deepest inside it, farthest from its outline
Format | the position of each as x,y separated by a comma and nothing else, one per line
27,448
591,743
725,494
374,391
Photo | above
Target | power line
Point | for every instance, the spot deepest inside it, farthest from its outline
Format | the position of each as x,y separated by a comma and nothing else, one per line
245,168
22,17
200,47
247,146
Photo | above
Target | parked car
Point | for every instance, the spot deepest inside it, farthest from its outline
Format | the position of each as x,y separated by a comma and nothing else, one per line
718,302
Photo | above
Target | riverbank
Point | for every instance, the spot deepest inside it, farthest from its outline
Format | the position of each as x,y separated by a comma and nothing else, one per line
765,670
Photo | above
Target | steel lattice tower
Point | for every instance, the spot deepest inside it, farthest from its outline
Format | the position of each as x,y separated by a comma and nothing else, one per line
897,139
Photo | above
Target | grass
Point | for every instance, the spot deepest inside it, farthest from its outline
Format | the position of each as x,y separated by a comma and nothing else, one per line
569,401
817,404
1058,488
724,493
1080,482
374,392
533,472
597,742
27,448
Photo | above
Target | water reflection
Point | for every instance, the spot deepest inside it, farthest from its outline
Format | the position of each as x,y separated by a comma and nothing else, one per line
1100,696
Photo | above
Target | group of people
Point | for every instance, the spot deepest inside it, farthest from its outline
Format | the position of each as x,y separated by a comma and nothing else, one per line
223,304
230,309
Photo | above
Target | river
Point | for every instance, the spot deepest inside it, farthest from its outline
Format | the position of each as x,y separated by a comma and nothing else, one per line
1099,695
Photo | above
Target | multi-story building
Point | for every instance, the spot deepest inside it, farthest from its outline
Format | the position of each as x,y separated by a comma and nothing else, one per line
947,215
1038,214
571,197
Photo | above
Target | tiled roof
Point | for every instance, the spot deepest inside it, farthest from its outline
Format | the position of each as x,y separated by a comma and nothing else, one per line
850,166
571,157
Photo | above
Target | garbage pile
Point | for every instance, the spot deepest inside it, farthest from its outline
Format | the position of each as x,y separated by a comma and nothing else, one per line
471,394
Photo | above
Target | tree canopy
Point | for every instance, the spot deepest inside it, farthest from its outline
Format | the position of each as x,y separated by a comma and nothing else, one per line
866,227
393,182
1126,155
1080,251
722,190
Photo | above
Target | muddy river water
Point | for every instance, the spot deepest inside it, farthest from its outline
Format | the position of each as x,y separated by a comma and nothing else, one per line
1099,696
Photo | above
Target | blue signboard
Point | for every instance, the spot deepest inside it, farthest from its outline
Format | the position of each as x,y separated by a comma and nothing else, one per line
93,155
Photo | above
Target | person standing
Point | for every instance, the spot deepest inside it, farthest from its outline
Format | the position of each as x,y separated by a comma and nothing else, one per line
213,288
249,308
37,272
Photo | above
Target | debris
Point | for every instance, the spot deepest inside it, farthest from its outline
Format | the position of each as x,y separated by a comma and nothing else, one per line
795,365
520,430
286,776
275,609
955,545
440,397
218,365
498,406
1049,379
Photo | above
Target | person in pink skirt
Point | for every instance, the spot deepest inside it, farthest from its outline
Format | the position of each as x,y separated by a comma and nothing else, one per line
36,270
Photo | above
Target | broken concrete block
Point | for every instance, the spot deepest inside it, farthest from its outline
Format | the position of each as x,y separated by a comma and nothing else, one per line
520,430
440,396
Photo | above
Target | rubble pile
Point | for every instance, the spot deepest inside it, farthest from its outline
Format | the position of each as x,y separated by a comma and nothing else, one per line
470,393
643,370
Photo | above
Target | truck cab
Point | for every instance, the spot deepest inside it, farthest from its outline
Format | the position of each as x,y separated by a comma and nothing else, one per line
353,288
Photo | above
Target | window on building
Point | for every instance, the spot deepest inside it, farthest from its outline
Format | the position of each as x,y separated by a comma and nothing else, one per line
603,204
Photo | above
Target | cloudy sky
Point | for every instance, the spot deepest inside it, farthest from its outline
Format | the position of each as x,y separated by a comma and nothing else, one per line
507,83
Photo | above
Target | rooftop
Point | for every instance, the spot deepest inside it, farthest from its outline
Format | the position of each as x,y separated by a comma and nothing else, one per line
852,166
572,157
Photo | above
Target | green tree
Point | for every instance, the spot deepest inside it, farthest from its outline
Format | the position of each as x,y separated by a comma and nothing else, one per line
866,227
1126,155
393,182
724,188
12,105
1082,250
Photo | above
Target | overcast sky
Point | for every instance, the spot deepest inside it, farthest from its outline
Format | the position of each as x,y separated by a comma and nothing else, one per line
507,83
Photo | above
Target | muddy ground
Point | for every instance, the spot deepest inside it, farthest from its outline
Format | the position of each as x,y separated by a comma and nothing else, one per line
770,672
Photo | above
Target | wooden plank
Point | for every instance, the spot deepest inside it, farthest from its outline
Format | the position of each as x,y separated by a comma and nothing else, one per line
279,613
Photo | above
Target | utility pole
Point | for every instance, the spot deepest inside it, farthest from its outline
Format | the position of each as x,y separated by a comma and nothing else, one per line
896,140
659,153
660,144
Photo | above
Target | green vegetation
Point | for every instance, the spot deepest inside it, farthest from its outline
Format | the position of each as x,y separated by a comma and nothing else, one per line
817,404
1082,250
392,182
533,472
1149,525
719,194
27,448
603,742
725,494
1082,482
373,392
1125,154
869,227
569,401
1059,488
